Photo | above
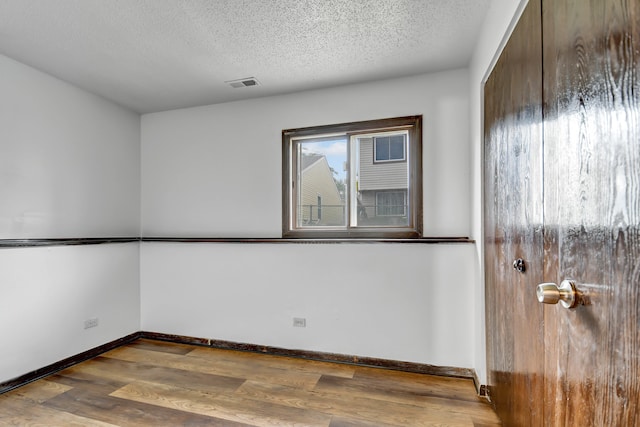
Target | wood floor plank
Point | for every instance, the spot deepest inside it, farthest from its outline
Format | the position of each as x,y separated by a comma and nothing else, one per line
162,346
357,408
457,395
39,391
349,388
22,412
148,383
281,362
225,406
214,366
129,413
75,377
448,387
337,421
126,372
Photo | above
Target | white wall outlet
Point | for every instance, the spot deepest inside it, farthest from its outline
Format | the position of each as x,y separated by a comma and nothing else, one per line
91,323
299,322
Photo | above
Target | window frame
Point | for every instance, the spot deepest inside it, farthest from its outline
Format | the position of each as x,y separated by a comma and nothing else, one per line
413,155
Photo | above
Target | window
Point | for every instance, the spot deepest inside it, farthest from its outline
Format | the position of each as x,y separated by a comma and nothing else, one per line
391,203
389,148
360,179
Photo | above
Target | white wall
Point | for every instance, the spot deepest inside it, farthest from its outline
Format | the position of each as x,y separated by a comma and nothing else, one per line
498,24
48,293
391,301
69,168
69,160
216,171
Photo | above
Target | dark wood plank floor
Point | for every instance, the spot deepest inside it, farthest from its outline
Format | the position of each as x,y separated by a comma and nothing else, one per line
153,383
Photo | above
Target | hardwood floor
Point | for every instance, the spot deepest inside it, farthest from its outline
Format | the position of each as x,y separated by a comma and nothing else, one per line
154,383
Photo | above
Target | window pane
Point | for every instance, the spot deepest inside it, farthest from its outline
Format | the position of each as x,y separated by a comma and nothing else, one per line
321,190
382,148
390,203
396,147
382,187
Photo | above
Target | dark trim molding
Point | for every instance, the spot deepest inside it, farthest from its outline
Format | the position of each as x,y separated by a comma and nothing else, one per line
431,240
24,243
419,368
28,243
65,363
483,391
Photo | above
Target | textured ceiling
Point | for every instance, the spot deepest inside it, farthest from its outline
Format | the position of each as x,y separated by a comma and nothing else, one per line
154,55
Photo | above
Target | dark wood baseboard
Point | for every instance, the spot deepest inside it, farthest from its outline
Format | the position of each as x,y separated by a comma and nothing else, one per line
412,367
65,363
419,368
483,391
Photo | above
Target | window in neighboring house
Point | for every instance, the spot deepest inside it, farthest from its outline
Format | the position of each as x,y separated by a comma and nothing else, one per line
389,148
368,173
391,203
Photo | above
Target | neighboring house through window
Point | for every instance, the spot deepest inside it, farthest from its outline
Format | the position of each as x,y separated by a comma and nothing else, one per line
353,180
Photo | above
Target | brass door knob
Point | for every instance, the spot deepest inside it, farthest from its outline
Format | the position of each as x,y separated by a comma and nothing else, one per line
550,293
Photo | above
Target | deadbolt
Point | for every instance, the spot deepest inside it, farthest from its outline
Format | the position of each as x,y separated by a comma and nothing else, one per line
550,293
519,265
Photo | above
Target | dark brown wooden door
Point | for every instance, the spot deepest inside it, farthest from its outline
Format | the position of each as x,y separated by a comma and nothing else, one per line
581,89
592,210
513,224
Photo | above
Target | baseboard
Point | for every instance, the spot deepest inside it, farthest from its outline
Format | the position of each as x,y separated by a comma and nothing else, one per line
420,368
481,389
65,363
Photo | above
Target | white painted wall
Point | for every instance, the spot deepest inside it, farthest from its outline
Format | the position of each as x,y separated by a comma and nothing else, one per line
499,22
216,171
69,160
391,301
69,167
47,293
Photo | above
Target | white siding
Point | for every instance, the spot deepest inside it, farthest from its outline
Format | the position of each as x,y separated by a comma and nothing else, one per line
379,176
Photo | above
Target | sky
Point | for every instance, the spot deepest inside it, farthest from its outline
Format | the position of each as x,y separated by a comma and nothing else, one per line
334,150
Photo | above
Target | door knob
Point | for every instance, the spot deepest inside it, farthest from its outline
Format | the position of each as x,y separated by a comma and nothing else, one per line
550,293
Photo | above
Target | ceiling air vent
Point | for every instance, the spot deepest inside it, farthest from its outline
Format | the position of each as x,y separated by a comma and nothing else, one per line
246,82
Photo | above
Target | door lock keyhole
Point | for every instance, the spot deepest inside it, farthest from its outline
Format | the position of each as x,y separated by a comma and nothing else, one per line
519,265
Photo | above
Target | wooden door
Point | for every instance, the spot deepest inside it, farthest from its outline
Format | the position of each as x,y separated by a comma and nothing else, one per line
513,224
585,369
592,210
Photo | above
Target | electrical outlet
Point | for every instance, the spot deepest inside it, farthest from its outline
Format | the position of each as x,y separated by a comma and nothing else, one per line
299,322
91,323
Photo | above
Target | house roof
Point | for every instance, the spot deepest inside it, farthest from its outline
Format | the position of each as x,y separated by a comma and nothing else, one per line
310,159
